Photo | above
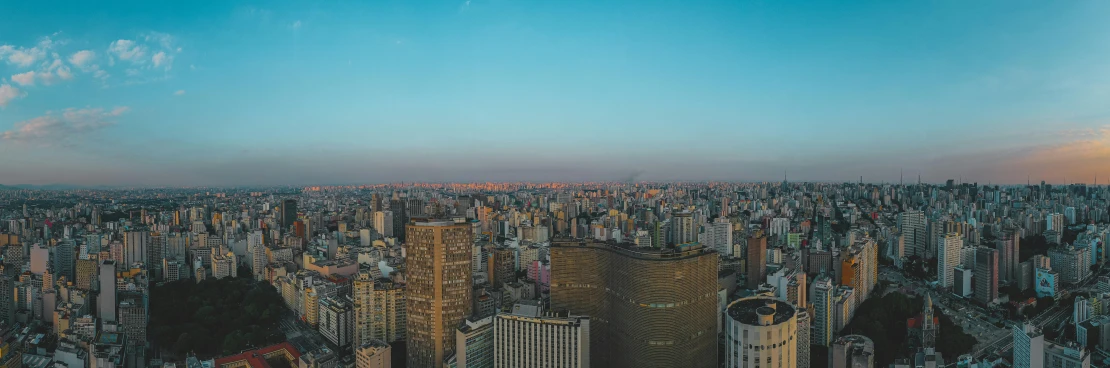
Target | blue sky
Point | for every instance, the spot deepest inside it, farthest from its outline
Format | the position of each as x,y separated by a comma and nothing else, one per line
299,92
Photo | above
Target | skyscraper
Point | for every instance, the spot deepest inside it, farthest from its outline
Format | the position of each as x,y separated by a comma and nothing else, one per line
136,245
438,294
106,299
757,261
986,275
288,213
682,223
948,256
527,337
397,207
912,224
823,294
647,307
762,332
1028,346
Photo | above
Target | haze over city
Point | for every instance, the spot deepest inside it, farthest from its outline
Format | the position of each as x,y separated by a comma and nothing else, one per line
291,92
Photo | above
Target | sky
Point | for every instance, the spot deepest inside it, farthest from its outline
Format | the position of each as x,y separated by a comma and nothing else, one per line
206,92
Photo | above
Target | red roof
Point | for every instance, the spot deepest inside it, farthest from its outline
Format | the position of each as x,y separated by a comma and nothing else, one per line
257,358
915,322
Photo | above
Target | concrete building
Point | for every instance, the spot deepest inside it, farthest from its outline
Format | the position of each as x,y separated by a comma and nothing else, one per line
373,354
823,294
962,284
336,321
106,299
1066,355
637,298
986,275
1028,347
912,225
761,331
756,259
439,287
948,257
718,236
804,339
1071,262
852,351
526,337
474,344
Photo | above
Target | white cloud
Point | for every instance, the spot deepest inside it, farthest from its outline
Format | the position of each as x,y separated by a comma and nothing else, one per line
162,39
101,74
53,128
161,58
179,92
22,57
81,58
8,93
128,50
24,79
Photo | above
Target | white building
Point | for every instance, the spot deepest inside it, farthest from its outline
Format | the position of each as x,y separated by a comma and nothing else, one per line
527,338
336,321
761,331
948,257
718,236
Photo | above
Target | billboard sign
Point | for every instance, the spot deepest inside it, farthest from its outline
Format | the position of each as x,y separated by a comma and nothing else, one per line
1046,283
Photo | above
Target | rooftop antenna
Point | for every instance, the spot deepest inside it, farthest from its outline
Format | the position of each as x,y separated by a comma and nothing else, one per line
901,177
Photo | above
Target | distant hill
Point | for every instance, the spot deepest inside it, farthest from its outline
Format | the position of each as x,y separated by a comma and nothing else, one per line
49,187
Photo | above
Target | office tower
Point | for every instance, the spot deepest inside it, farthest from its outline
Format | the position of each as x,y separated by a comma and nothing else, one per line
718,236
823,294
527,337
136,245
335,321
106,298
7,299
40,259
373,354
1009,247
682,223
474,344
383,223
804,338
65,255
762,332
638,297
1081,310
986,275
438,296
133,317
948,252
851,351
912,225
501,266
961,285
288,213
756,259
400,218
85,273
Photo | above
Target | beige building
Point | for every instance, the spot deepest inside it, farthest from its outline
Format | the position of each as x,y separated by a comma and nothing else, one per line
437,300
373,354
761,331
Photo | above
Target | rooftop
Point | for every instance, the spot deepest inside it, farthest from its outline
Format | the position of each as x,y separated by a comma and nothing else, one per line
748,310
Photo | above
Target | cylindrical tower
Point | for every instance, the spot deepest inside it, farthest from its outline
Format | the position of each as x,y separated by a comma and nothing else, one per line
761,331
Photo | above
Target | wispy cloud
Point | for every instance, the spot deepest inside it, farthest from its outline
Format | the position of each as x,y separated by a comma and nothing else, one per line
26,56
24,79
128,50
8,93
62,129
82,59
296,25
179,92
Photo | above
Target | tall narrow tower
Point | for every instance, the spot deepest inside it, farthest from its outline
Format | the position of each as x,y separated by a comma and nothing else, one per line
438,294
928,325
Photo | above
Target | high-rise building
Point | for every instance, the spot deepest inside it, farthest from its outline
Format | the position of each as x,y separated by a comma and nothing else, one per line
912,225
400,218
823,294
1009,245
133,317
682,223
373,354
438,289
804,339
1028,346
718,236
474,344
335,321
851,351
648,307
756,260
383,223
762,332
288,213
527,337
1071,262
948,257
86,273
106,299
986,275
65,256
136,245
502,267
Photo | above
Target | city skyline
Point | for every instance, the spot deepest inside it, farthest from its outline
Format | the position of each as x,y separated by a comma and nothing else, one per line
288,93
